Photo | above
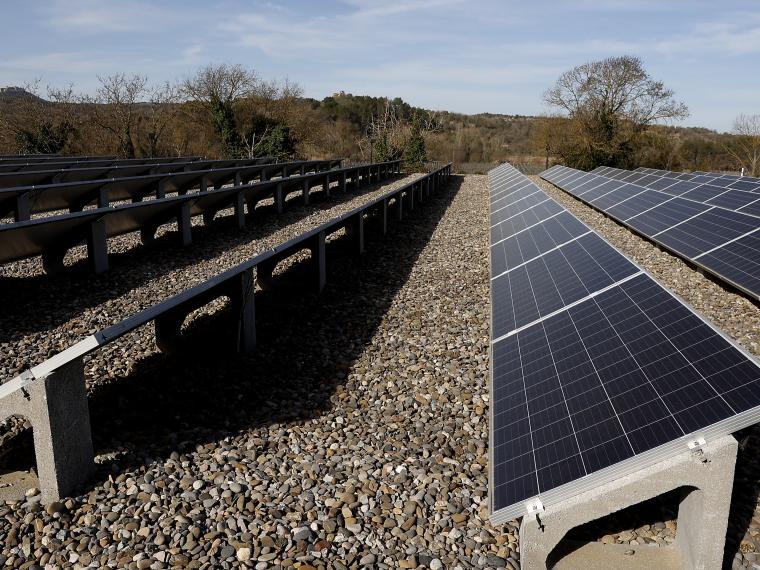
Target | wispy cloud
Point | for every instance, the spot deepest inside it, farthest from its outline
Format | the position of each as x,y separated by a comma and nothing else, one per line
364,28
194,54
466,55
384,8
737,34
73,63
97,17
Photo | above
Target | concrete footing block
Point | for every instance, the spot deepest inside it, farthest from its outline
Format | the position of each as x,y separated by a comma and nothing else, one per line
326,185
319,260
355,229
184,225
97,246
239,209
279,199
56,407
705,478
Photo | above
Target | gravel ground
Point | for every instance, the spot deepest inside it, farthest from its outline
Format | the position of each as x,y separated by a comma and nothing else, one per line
76,303
354,437
654,523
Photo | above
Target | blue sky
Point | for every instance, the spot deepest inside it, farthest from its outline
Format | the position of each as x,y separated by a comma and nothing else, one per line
468,56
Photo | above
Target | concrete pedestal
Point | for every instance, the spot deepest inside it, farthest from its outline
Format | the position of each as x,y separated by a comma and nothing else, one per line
56,407
705,478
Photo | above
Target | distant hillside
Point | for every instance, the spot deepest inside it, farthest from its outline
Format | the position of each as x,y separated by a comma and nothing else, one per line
12,93
338,125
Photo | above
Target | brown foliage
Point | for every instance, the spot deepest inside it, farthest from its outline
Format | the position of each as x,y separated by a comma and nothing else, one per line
611,103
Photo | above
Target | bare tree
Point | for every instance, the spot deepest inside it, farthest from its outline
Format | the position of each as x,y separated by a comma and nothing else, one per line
612,101
115,108
546,135
745,145
161,109
270,105
32,124
217,88
221,83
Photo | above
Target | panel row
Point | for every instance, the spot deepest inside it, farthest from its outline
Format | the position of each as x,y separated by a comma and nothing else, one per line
593,362
725,242
745,201
717,177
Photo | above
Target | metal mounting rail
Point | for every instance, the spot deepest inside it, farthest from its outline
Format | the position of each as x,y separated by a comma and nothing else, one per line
52,237
136,183
52,395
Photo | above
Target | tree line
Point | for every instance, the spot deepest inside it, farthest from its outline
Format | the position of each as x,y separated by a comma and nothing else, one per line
608,112
220,111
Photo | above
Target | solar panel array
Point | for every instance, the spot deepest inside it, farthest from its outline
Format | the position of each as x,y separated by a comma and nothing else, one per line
683,217
597,370
717,177
106,186
746,201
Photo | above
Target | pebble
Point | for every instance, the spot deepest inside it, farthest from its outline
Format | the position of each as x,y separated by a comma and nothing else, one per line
729,311
244,554
357,431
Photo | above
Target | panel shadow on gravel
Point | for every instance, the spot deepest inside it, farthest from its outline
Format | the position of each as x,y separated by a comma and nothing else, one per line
54,299
744,499
307,344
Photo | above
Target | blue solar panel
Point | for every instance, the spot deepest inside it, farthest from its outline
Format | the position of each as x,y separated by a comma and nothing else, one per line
520,205
704,193
534,241
620,194
664,184
745,185
680,187
554,280
595,365
734,199
693,220
707,231
752,208
666,215
738,261
644,200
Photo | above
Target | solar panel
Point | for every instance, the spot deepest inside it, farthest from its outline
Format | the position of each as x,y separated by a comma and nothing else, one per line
653,219
738,261
692,220
736,182
707,231
597,370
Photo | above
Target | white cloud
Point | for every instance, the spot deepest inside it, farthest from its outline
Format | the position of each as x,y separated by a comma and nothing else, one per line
193,54
382,8
737,35
469,55
363,29
65,62
97,17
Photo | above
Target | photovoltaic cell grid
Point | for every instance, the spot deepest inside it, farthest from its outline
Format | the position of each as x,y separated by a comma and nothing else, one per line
722,178
733,194
688,220
597,370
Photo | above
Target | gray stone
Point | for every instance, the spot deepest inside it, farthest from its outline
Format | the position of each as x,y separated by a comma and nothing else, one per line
702,518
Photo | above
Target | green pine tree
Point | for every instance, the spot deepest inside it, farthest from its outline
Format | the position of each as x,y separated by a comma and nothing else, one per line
415,152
